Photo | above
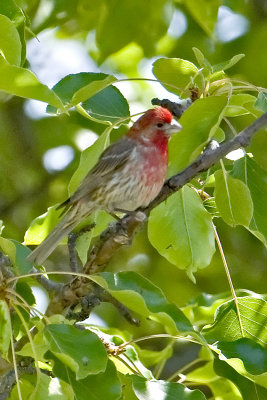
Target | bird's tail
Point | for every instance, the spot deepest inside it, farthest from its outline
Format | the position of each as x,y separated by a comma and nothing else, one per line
63,228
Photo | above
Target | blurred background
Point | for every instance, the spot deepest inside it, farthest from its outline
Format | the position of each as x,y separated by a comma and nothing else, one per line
39,153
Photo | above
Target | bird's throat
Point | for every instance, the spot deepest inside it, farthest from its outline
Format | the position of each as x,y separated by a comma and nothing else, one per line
161,143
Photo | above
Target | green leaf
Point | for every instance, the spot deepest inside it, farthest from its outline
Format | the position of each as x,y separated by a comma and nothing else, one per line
181,230
255,178
52,389
88,159
228,192
221,388
22,82
258,147
153,357
127,387
131,21
10,9
25,291
41,345
226,327
25,388
108,105
101,219
47,389
102,386
248,388
140,295
76,88
252,357
201,309
203,62
17,254
42,225
205,13
5,331
261,102
151,390
91,89
132,356
223,66
9,41
219,135
200,123
239,104
87,356
176,75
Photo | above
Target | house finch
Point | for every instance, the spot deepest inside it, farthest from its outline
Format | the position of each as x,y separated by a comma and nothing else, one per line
129,174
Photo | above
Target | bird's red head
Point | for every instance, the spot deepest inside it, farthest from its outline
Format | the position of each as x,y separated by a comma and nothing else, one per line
154,122
158,115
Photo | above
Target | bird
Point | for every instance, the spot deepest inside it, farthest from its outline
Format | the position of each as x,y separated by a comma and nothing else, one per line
128,175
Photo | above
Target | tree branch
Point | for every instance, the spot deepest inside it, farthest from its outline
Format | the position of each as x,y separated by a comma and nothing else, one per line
119,234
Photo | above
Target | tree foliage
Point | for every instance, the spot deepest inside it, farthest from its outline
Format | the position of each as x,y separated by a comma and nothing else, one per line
163,321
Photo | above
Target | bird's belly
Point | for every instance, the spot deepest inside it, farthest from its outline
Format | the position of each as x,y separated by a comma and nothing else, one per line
138,190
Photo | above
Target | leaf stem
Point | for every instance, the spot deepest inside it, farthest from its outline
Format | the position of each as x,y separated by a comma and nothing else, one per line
184,368
228,278
160,335
14,361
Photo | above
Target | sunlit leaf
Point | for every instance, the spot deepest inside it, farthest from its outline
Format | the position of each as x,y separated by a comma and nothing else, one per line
223,66
52,389
152,357
221,388
17,254
201,309
9,41
200,123
23,83
48,388
42,225
41,345
181,230
248,388
228,192
176,75
11,10
226,327
131,358
149,390
203,62
240,104
140,295
255,178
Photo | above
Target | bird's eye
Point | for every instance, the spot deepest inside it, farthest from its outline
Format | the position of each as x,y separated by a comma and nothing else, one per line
159,125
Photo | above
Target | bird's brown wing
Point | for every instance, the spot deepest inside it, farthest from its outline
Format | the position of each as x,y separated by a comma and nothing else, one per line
112,159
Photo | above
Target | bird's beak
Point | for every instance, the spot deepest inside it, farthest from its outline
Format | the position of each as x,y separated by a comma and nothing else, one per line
173,127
